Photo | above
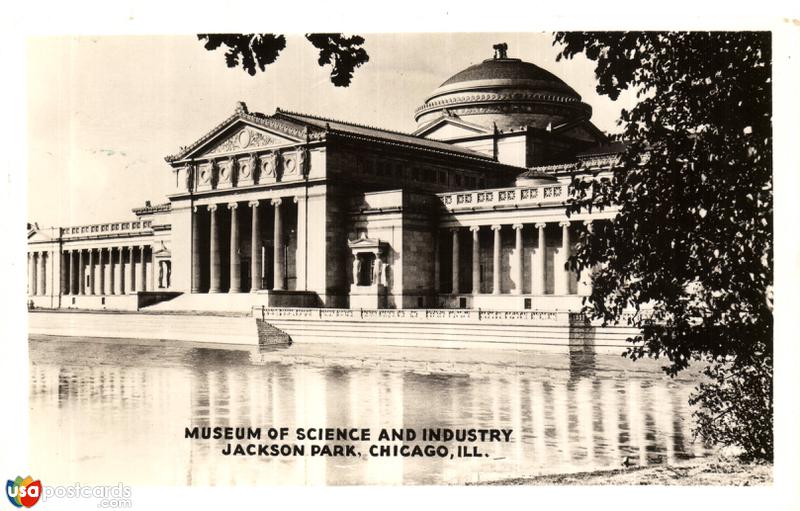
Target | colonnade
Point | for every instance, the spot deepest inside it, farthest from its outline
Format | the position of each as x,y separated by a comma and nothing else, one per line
538,277
215,269
124,276
37,272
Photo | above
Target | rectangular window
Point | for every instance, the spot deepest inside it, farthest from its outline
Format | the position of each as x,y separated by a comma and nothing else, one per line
527,303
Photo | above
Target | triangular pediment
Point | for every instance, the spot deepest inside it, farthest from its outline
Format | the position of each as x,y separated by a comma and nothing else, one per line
246,132
161,250
365,243
448,128
582,130
243,138
35,234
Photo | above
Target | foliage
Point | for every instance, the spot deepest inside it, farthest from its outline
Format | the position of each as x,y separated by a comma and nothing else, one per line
256,51
692,238
344,54
736,405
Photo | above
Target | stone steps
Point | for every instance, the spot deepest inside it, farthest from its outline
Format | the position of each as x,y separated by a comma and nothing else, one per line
268,334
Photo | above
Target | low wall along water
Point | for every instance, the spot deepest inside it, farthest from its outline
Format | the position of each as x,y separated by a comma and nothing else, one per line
451,328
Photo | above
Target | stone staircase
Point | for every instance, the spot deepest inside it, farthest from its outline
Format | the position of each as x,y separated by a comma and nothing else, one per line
269,335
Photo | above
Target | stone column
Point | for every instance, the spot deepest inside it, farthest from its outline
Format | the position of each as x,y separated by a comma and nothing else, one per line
43,277
279,254
37,261
112,278
255,249
102,271
496,267
236,257
81,274
196,254
64,273
214,269
301,254
153,268
456,263
476,259
91,271
130,283
518,259
563,285
34,273
123,280
141,282
71,285
541,262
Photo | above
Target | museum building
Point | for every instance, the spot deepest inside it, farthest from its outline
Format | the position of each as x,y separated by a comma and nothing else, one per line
296,210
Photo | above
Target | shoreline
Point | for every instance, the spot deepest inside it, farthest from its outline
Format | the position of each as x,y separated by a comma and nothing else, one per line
448,328
716,470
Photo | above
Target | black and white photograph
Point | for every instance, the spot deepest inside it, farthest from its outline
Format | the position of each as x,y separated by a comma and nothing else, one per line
365,259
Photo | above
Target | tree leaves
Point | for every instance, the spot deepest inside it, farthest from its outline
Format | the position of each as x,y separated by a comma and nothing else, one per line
255,52
344,54
251,51
693,236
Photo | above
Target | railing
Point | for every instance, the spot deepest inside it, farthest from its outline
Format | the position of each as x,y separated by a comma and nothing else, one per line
109,228
466,316
547,194
416,315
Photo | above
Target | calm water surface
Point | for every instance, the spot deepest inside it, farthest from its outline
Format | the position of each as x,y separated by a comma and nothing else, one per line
115,411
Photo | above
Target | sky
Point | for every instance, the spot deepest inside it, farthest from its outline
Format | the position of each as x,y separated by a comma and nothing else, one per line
103,112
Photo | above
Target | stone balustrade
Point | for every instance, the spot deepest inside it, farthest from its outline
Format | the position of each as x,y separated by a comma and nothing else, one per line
107,228
555,194
416,315
465,316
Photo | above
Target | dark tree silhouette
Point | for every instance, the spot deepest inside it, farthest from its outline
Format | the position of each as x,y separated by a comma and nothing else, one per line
255,52
693,236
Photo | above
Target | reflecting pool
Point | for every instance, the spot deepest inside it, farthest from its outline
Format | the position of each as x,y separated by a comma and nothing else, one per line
104,411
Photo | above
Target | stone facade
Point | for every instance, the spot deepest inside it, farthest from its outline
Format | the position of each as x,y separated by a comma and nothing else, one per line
293,209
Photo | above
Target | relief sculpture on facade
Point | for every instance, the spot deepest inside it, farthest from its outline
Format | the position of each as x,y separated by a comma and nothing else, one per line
246,138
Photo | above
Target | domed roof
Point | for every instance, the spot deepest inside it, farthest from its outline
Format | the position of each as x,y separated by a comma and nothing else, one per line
504,92
509,70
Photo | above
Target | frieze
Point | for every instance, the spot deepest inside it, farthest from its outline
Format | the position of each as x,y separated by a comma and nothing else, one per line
190,178
245,168
269,167
495,98
506,197
503,108
225,172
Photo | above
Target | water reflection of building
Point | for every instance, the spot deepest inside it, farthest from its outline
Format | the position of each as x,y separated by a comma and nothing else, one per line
297,210
124,420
